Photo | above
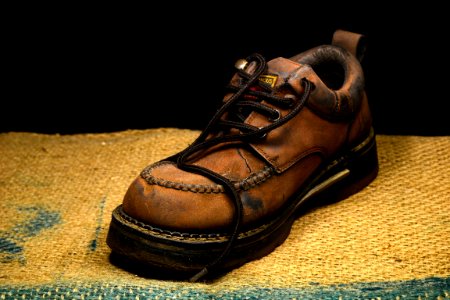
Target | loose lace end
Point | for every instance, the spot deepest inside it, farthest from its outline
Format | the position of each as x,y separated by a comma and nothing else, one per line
199,275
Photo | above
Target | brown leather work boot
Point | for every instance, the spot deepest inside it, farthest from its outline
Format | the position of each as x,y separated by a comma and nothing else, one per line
288,131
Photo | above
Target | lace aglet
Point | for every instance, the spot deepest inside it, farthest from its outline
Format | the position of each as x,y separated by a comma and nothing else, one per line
199,275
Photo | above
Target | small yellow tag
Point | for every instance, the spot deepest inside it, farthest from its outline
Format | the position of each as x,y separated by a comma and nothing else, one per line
268,79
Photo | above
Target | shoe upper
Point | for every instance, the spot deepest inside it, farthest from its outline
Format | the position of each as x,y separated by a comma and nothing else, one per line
265,171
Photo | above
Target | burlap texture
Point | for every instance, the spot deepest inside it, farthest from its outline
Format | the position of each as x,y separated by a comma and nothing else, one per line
57,194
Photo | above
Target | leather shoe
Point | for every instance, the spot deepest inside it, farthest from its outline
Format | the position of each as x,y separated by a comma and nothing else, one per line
288,132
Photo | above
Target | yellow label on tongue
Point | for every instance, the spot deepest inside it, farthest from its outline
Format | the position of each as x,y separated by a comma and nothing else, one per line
268,79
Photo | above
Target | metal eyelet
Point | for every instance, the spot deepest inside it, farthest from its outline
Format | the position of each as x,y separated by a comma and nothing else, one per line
263,135
312,85
241,64
277,117
291,98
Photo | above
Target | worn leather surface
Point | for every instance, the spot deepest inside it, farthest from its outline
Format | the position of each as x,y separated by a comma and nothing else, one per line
269,170
351,41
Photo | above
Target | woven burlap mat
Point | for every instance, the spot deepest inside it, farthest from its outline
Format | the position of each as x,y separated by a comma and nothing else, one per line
57,194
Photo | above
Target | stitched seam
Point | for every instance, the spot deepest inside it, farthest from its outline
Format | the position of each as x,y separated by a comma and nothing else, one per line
266,156
254,179
251,181
290,163
337,103
177,235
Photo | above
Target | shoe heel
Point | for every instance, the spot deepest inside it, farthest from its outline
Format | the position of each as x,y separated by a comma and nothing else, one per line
360,169
363,167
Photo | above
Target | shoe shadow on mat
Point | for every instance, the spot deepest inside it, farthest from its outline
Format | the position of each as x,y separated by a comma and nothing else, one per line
334,194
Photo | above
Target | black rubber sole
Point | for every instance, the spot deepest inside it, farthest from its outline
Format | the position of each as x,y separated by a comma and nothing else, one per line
179,255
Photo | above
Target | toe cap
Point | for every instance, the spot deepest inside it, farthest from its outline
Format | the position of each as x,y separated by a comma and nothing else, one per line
167,197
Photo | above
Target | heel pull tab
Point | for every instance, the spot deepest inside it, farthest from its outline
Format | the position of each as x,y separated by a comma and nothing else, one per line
355,43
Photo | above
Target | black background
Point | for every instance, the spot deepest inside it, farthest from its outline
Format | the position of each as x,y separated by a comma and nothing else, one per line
85,69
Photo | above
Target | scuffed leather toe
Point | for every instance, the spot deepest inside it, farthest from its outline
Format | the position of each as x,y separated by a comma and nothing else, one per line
167,197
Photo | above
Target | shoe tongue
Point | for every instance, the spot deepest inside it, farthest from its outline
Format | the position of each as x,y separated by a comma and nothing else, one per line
278,70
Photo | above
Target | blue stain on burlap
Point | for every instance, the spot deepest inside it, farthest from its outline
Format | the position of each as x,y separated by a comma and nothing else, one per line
12,240
98,229
429,288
